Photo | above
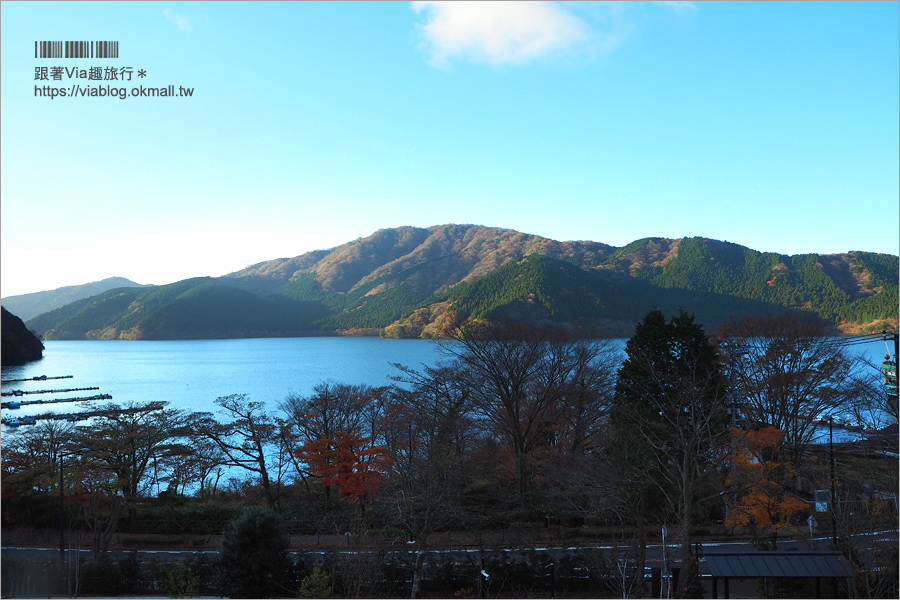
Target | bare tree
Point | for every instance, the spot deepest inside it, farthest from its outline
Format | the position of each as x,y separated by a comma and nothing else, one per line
125,439
332,407
202,460
584,404
864,502
245,440
103,503
31,457
426,430
531,384
868,404
790,375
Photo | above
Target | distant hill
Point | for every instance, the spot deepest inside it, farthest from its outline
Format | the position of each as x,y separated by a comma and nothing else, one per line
406,282
18,345
28,306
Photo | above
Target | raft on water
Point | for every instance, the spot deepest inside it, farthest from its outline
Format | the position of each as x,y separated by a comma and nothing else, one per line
80,416
14,404
38,378
62,391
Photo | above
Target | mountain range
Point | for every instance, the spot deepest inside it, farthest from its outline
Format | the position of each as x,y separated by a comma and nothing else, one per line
28,306
410,281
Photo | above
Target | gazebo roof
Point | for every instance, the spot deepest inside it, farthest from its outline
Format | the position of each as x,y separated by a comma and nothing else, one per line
748,565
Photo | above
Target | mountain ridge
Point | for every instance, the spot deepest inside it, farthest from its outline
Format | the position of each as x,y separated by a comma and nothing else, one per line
377,283
28,306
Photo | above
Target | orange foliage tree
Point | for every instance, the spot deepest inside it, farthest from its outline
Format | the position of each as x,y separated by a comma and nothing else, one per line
348,462
764,506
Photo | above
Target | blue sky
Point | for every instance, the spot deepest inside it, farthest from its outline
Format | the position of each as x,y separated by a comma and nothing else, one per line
772,125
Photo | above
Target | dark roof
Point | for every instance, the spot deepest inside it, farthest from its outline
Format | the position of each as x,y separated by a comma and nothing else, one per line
747,565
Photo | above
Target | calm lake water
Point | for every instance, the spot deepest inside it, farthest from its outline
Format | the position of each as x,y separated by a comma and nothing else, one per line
191,374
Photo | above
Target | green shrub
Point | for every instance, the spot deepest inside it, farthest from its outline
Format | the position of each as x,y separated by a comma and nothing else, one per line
255,563
179,581
316,585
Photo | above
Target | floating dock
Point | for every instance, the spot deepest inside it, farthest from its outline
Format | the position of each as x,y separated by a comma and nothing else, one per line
18,404
38,378
24,393
32,419
78,416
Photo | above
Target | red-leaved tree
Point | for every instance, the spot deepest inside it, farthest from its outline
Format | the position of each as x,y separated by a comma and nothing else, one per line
349,462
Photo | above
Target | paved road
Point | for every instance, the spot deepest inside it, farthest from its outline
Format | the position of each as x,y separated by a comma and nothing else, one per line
470,556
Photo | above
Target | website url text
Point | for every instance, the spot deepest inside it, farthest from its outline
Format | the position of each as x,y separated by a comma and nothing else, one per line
108,91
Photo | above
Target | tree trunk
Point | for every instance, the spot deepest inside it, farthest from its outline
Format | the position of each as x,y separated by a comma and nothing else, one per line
521,473
267,488
520,455
687,522
642,552
418,568
686,573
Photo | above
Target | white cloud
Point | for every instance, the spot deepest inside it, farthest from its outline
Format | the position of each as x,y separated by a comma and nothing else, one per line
679,6
521,32
180,20
500,32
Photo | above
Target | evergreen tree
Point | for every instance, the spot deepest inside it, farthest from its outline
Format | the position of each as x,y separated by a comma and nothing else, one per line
670,395
255,563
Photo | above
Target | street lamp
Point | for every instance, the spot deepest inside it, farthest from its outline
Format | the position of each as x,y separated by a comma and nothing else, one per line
62,507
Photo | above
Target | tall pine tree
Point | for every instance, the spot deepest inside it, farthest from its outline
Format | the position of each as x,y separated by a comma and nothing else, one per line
671,400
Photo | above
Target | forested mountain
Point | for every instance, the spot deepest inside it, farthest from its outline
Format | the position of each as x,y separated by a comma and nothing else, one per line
406,282
18,344
27,306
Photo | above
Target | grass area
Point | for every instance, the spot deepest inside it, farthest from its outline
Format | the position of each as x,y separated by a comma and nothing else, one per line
879,470
858,463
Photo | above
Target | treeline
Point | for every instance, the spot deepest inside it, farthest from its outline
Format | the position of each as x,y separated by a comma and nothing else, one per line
871,309
800,281
360,308
557,291
194,308
520,425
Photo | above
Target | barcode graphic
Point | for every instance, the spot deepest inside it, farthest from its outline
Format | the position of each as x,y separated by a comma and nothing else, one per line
99,49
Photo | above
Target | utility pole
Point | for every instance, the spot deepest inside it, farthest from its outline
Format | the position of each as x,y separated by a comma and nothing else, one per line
831,460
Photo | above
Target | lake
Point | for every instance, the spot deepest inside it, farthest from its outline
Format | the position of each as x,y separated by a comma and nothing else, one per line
191,374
